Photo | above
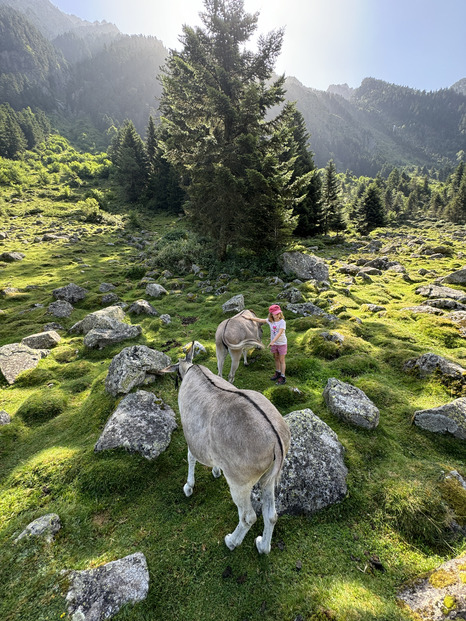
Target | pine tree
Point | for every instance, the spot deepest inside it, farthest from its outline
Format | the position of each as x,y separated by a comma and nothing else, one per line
333,216
371,213
456,209
228,153
130,158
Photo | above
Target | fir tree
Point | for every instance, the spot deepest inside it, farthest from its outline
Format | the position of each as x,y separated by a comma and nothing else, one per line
371,213
230,157
333,216
130,158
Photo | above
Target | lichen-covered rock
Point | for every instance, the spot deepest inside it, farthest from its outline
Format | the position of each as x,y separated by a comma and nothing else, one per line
234,304
142,307
305,266
435,291
11,257
47,526
134,366
5,418
455,278
440,596
42,340
98,338
449,418
430,364
314,472
350,404
60,308
104,318
98,594
16,358
308,309
155,290
70,293
139,424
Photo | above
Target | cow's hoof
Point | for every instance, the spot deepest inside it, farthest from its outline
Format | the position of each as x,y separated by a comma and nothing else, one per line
229,542
216,472
188,490
262,549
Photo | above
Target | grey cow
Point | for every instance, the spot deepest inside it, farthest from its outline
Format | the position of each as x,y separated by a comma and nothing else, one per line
236,336
238,432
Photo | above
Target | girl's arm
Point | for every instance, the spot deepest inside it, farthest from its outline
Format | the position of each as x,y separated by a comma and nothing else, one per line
277,336
257,319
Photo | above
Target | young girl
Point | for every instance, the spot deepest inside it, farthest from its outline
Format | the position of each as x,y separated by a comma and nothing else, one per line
278,342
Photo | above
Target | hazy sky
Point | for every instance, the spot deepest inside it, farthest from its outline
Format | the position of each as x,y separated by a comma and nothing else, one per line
416,43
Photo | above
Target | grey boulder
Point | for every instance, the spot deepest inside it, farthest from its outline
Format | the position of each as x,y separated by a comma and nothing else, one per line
350,404
134,366
140,425
70,293
16,358
98,594
42,340
449,418
98,338
47,526
104,318
305,266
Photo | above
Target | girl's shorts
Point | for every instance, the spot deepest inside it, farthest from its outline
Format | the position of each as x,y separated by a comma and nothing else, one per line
279,349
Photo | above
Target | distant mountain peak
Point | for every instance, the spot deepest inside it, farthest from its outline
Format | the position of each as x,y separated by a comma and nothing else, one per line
341,89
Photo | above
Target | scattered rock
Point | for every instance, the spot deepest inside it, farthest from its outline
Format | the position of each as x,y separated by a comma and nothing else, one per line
98,338
155,290
16,358
449,418
11,257
350,404
42,340
140,425
105,287
455,278
70,293
140,307
5,418
305,266
429,364
60,308
104,318
98,594
134,366
435,291
46,526
234,304
308,309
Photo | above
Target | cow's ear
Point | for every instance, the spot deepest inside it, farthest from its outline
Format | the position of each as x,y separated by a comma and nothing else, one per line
173,368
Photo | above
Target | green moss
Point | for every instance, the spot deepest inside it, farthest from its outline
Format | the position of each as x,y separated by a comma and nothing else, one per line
42,406
285,397
34,377
442,578
455,495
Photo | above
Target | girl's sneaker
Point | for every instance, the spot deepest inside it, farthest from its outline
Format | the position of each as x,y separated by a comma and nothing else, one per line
281,380
276,376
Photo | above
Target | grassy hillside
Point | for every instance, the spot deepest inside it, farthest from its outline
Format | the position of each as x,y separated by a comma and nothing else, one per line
113,503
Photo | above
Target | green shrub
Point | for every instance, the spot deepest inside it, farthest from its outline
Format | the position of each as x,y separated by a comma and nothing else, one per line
355,364
42,406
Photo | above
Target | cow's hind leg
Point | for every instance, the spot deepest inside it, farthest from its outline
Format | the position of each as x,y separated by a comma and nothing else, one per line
269,514
247,516
188,488
245,357
221,352
235,358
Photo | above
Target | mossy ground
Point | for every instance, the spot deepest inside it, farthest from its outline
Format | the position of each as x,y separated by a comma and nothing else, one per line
112,504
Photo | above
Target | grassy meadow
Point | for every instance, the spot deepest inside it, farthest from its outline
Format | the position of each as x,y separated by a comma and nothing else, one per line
113,503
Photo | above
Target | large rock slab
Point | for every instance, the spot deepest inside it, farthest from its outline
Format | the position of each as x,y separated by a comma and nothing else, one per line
234,304
142,307
314,472
42,340
305,266
11,257
70,293
98,594
140,425
16,358
134,366
350,404
104,318
155,290
449,418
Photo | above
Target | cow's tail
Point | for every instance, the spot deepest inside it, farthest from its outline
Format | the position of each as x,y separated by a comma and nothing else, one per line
246,344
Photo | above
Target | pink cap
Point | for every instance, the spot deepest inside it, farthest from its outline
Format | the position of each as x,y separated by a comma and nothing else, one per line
274,309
